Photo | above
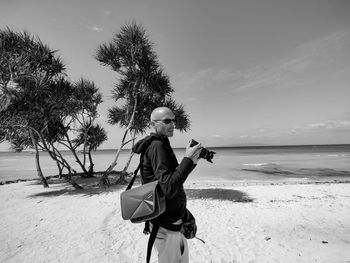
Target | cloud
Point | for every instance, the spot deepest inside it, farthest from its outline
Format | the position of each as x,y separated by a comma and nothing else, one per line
292,70
95,28
107,12
260,133
210,78
330,125
273,133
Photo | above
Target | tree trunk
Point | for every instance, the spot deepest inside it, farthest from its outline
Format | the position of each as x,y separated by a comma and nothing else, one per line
61,162
104,179
91,167
57,156
71,148
85,146
53,153
128,162
124,172
37,160
60,169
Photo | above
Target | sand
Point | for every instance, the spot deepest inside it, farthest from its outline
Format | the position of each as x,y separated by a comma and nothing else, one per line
239,223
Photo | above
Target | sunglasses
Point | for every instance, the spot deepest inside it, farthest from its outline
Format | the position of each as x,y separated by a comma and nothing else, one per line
167,121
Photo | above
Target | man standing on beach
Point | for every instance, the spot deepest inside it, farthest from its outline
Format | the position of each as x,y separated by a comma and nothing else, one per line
160,163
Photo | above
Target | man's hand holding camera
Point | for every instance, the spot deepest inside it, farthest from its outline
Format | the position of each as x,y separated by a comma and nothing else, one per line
193,152
194,148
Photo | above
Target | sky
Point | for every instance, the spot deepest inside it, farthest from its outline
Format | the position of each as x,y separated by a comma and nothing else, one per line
249,72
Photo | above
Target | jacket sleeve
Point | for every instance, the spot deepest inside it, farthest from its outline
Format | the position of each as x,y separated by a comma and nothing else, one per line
170,180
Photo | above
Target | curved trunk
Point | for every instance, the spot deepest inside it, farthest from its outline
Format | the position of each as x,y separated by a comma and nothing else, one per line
124,172
85,145
104,179
71,148
128,162
37,160
91,167
60,169
61,162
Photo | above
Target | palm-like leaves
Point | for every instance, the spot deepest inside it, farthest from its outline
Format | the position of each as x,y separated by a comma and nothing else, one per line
42,101
131,54
129,50
86,97
32,66
30,79
7,93
95,135
22,55
182,118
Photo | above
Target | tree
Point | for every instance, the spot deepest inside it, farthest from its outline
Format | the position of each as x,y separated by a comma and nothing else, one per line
142,84
91,136
80,114
37,116
26,66
40,107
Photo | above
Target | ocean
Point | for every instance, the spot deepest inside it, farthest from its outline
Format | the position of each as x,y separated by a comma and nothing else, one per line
243,164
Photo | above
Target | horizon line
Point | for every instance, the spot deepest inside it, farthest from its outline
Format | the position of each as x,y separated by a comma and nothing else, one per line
231,146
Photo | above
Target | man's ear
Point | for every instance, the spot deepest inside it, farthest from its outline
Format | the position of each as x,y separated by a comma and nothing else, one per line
152,124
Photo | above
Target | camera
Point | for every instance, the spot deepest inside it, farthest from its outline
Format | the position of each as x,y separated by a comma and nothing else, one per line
205,153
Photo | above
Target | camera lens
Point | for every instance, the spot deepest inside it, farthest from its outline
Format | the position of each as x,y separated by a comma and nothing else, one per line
205,153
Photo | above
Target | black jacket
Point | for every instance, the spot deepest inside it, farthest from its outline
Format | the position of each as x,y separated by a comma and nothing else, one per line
160,164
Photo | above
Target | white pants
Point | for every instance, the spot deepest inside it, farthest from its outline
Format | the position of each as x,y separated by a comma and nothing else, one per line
172,247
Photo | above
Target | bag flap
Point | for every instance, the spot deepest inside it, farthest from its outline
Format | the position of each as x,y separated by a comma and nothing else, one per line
138,201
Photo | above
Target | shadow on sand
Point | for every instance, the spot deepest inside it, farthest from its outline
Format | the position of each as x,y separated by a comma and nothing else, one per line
218,194
91,187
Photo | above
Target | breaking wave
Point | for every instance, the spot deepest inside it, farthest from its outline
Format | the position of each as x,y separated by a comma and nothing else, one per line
275,169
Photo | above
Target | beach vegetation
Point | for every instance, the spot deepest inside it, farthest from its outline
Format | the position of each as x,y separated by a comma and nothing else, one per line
91,136
79,116
142,85
26,68
40,108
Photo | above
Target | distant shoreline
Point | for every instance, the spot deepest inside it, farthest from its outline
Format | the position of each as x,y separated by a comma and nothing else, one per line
221,147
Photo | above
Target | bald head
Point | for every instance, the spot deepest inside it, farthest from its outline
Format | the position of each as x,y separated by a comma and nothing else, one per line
162,113
160,121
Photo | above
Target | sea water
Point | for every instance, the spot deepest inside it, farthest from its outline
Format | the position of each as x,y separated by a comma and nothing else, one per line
273,163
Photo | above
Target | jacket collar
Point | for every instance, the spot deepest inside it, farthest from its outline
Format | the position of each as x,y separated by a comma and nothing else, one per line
143,144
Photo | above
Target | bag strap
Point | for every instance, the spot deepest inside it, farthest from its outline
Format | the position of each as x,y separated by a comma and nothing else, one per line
155,227
151,240
134,177
140,164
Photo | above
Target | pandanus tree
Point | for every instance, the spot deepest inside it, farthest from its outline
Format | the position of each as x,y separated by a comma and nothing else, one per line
26,68
39,106
91,136
34,120
142,84
80,114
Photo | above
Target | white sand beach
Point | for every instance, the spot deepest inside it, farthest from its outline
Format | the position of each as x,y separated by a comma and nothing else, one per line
260,223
